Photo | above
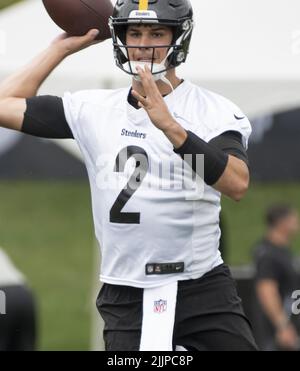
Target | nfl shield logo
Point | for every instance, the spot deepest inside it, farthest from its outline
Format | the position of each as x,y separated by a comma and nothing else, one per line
160,306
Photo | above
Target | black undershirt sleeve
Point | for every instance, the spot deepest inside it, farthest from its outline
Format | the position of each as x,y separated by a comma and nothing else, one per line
216,153
45,117
231,143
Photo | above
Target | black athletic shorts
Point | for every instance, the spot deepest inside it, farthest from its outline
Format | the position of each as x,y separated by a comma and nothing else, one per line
209,315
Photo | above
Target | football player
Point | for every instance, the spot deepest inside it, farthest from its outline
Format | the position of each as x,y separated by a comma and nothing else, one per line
156,203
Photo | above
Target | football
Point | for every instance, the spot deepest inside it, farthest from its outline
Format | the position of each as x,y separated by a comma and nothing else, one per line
77,17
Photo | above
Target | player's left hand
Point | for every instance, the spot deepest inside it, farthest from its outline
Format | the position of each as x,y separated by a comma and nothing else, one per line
153,103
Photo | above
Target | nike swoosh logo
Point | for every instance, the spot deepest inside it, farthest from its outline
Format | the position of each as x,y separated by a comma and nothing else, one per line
239,118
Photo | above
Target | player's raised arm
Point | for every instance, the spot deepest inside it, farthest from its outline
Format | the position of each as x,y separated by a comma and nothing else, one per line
26,82
224,172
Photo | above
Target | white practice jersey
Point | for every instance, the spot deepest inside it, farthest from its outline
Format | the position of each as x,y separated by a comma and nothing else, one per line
160,220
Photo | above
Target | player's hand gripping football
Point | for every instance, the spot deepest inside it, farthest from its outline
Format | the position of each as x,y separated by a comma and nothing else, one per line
153,103
68,45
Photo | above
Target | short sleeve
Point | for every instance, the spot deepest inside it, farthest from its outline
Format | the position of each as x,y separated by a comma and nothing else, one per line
80,109
72,106
229,117
267,267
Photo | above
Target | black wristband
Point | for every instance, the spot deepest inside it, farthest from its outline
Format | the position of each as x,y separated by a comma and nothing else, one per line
215,160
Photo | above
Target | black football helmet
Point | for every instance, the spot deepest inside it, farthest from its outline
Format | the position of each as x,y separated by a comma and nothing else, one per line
177,14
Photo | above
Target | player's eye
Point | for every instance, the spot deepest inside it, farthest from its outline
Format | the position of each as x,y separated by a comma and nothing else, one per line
157,34
134,34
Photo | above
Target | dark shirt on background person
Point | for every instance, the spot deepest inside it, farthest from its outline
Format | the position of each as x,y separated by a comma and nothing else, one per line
275,263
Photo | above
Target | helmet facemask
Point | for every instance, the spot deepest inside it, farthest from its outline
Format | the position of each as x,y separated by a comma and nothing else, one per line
176,52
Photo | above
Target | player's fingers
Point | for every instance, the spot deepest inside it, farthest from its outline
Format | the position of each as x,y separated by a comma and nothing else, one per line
148,73
145,79
148,82
139,97
86,40
91,34
90,38
151,83
140,104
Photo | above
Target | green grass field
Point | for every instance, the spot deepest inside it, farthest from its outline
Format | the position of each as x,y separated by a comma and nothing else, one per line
245,220
47,229
5,3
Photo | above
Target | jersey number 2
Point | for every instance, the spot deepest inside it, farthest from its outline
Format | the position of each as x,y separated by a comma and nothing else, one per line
135,181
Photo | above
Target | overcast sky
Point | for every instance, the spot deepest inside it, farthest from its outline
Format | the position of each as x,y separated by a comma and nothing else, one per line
232,39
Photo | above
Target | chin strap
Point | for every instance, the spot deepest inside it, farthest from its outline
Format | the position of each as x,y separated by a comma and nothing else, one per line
167,81
155,67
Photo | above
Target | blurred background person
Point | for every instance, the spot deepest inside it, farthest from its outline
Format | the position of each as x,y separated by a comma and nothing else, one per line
276,279
18,321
